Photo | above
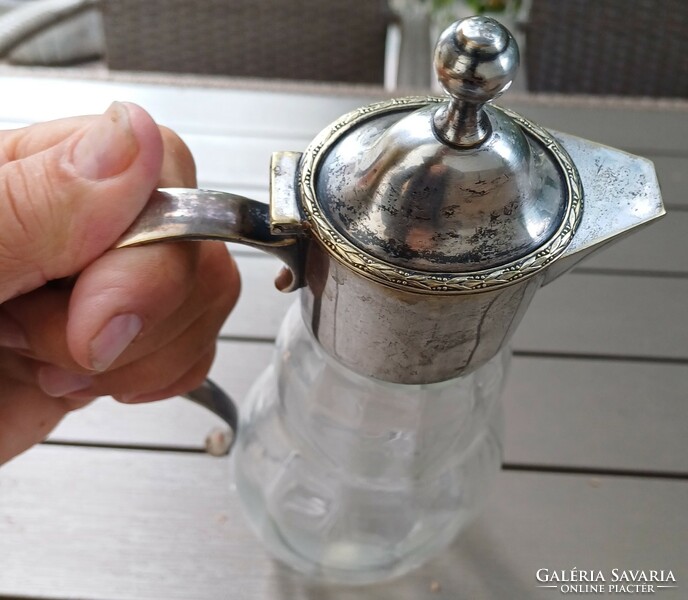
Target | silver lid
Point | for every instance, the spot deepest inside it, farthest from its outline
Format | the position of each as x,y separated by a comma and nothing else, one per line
443,187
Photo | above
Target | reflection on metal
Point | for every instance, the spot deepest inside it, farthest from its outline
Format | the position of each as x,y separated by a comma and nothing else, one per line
468,227
189,214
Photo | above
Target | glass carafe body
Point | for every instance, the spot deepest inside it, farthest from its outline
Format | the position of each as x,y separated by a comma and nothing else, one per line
355,480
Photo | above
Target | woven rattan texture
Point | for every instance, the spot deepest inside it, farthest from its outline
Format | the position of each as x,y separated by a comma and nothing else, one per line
620,47
318,40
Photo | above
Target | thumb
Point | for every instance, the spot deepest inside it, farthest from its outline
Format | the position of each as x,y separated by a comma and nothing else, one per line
62,207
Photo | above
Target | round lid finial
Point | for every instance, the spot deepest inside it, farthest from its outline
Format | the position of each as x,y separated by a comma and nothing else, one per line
476,60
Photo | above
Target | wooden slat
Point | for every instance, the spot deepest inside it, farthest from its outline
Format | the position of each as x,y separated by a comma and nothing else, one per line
643,130
660,247
672,172
559,413
291,113
188,109
608,315
586,414
11,124
239,160
288,113
104,524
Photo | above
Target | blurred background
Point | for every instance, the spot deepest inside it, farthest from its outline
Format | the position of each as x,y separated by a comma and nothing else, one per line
610,47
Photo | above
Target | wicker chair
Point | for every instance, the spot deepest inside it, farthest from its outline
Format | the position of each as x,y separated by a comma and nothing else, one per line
321,40
618,47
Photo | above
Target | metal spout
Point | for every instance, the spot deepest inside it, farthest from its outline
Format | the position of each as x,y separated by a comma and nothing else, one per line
621,193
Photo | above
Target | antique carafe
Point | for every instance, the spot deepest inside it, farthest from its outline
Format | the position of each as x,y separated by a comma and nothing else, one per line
416,231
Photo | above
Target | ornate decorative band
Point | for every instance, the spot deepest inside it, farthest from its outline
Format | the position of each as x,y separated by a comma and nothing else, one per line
423,281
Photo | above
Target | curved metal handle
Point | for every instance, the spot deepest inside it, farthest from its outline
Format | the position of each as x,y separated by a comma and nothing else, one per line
191,214
211,396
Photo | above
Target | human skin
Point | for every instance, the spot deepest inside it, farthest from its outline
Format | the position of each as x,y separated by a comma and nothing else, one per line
79,320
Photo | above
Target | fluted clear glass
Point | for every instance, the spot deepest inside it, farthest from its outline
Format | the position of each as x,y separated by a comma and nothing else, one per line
355,480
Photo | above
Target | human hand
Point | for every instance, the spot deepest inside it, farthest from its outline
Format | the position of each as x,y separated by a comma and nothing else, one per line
135,323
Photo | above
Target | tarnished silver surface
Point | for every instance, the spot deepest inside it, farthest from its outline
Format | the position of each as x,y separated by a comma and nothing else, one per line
190,214
449,220
404,337
622,194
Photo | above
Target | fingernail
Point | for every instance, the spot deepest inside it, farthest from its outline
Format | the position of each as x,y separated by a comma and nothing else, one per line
107,147
114,339
11,334
58,382
130,398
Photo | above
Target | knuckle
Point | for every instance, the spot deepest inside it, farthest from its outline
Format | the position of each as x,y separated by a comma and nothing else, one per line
18,190
30,201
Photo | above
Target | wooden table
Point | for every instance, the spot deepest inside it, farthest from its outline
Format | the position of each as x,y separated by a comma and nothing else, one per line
122,502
